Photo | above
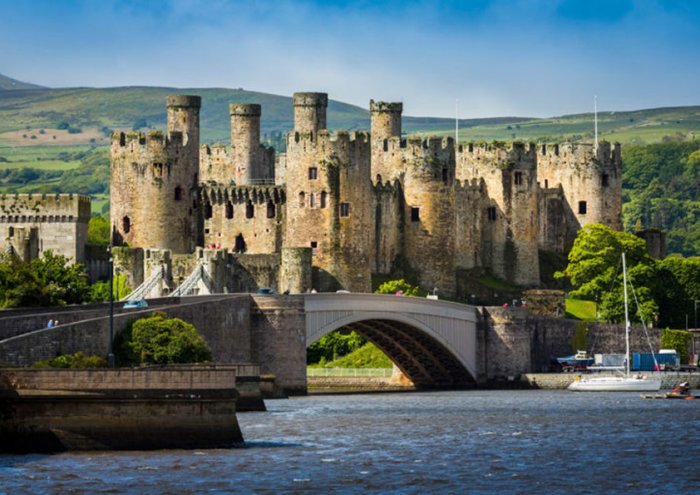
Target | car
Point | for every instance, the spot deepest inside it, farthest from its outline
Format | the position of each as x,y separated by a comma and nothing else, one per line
136,304
265,291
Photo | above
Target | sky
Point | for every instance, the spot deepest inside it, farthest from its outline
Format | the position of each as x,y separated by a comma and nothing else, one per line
479,58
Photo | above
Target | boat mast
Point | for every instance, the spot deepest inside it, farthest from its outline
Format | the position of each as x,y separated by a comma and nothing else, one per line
627,318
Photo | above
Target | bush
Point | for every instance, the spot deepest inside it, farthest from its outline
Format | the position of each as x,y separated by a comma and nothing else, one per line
161,340
400,286
77,360
678,340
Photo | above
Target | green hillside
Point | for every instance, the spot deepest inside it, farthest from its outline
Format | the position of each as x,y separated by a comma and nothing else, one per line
7,83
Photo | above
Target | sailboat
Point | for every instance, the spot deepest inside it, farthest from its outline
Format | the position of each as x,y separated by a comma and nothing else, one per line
621,383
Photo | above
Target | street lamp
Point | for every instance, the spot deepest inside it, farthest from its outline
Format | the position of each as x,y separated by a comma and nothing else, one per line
110,352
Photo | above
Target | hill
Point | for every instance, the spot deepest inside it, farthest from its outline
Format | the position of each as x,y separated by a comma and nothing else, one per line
7,83
29,106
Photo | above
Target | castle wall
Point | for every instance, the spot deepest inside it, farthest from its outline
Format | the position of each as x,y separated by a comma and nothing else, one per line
329,197
385,124
245,219
35,223
389,209
469,220
511,225
591,180
429,219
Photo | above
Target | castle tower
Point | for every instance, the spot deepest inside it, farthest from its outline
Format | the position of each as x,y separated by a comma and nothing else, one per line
509,208
591,180
154,178
329,198
245,141
385,123
310,112
429,218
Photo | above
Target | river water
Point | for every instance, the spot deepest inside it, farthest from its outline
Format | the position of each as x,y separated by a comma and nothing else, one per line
549,442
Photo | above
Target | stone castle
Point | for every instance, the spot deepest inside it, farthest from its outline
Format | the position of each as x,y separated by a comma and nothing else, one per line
334,211
339,208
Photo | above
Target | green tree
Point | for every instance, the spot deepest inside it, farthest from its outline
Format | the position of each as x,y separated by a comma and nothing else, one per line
332,346
399,286
99,291
98,231
595,271
161,340
47,281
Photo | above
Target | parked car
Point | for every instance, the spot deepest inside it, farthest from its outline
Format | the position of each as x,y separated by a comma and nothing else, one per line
136,304
265,291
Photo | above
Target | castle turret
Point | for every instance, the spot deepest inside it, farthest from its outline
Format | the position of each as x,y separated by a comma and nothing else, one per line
310,112
154,179
245,141
385,124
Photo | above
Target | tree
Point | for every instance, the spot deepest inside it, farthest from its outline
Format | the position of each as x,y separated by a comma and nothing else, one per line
98,231
47,281
400,287
161,340
595,270
99,291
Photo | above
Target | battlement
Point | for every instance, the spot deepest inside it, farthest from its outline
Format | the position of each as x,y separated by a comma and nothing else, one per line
220,193
214,150
311,100
183,101
245,109
37,207
582,151
138,142
385,107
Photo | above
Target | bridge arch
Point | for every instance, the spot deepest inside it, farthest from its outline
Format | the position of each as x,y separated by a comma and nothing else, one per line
432,342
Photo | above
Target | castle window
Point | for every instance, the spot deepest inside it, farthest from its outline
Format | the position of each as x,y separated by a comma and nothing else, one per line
122,139
386,145
491,213
312,200
249,209
344,209
126,224
445,175
605,180
323,199
207,210
158,169
546,184
556,149
518,178
178,193
544,149
313,173
270,209
415,214
582,207
239,245
471,147
12,231
302,200
229,210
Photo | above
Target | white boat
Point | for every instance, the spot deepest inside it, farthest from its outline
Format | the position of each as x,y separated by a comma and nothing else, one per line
623,383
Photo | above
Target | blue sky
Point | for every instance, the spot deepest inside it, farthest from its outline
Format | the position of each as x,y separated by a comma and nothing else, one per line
497,57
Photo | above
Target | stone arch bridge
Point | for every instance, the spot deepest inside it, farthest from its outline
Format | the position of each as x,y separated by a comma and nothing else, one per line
435,343
432,342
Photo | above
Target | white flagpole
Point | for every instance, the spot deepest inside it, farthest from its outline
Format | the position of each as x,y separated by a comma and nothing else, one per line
595,119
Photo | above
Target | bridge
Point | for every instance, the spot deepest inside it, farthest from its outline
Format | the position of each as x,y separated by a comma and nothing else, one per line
434,343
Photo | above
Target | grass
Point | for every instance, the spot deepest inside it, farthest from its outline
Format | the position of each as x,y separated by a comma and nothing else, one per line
581,310
367,356
39,157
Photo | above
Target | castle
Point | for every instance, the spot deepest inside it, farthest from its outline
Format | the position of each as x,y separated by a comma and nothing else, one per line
332,212
337,209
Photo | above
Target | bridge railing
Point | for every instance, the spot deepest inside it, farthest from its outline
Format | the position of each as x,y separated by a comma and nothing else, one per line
352,372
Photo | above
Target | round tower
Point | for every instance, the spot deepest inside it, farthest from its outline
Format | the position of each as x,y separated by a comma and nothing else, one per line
245,141
310,112
385,123
385,119
429,217
183,116
153,182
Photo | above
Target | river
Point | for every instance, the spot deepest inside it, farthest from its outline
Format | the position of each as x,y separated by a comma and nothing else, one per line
490,442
